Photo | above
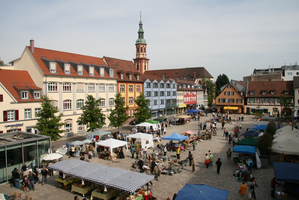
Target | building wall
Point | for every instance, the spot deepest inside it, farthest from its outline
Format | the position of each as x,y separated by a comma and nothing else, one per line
289,74
225,100
265,77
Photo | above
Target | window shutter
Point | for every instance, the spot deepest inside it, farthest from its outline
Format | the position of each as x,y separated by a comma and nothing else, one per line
4,115
8,131
1,131
1,97
19,129
16,114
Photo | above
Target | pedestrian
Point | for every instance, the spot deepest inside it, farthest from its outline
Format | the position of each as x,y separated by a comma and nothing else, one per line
178,151
230,138
26,183
137,151
190,156
31,180
229,154
252,184
273,186
211,158
193,144
165,150
44,173
218,163
73,150
242,190
207,160
250,165
24,168
164,131
36,172
145,151
153,164
193,164
140,163
132,151
16,178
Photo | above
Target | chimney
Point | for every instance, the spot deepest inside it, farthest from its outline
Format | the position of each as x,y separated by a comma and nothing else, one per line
32,46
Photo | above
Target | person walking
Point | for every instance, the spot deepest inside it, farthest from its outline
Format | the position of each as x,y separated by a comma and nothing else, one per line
190,156
44,173
229,154
193,164
211,158
16,178
207,160
165,150
252,184
193,144
178,151
250,165
26,183
132,151
219,164
31,180
137,151
242,190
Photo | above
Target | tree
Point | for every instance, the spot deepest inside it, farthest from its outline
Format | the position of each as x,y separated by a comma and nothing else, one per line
210,87
142,112
221,81
1,62
48,123
119,115
92,115
285,103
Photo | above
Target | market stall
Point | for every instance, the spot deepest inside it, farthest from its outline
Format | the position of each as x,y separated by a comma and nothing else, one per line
145,139
145,127
250,141
100,134
111,143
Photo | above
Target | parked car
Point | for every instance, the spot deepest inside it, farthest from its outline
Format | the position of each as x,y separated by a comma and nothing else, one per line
134,122
161,119
210,110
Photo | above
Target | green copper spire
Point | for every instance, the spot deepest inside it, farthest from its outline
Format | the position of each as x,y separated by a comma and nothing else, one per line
140,39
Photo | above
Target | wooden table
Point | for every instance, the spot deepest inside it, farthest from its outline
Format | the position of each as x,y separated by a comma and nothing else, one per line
105,195
82,190
66,182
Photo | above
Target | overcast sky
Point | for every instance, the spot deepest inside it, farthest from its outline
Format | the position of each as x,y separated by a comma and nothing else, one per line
226,36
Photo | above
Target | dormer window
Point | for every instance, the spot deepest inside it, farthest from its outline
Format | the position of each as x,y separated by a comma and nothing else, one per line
111,74
188,86
286,92
130,76
36,94
102,72
80,70
264,92
137,77
272,92
184,86
24,94
67,68
53,67
251,92
121,76
91,70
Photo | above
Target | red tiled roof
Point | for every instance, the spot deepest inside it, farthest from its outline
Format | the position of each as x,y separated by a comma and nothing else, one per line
277,86
43,56
16,80
151,77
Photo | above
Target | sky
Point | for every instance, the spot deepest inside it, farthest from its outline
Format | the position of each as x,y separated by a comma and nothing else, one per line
231,37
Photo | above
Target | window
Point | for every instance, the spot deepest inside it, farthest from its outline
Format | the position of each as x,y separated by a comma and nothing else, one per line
148,94
80,70
275,110
168,93
91,87
148,85
68,126
37,94
1,97
53,67
121,76
36,111
80,103
155,93
111,101
111,72
130,88
52,87
80,126
168,85
286,92
122,88
102,87
80,87
231,100
162,93
272,100
161,85
173,85
102,71
102,102
263,92
231,93
130,100
137,77
162,101
67,104
10,116
24,95
251,92
130,76
229,86
272,92
67,87
155,85
174,93
155,102
138,89
67,68
111,88
239,100
27,113
290,73
91,70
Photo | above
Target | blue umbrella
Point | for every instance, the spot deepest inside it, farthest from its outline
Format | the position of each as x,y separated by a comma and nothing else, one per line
251,133
175,137
191,111
201,192
260,127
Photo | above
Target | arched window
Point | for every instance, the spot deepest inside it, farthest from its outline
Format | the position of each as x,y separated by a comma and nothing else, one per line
137,67
80,103
144,67
144,50
141,49
67,104
137,49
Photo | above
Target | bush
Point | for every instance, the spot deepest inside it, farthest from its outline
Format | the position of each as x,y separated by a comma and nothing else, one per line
271,128
264,143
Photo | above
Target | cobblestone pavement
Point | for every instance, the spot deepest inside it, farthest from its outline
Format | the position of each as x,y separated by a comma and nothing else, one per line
168,185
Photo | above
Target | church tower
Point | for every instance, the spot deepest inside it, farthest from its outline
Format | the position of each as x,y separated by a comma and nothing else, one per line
141,61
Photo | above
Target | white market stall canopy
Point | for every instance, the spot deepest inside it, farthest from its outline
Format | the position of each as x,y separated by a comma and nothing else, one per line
112,143
147,126
289,147
285,130
146,139
98,132
121,179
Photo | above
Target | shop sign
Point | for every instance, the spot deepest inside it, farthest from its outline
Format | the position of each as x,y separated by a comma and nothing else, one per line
14,125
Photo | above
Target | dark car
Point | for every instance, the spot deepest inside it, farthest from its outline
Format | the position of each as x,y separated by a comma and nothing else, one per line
210,110
134,122
173,146
161,119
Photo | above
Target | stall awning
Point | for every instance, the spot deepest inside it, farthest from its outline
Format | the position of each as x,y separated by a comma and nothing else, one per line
182,105
230,108
109,176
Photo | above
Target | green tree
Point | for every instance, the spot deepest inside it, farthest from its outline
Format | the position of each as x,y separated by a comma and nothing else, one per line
92,115
1,62
48,122
210,87
285,103
271,128
221,81
142,111
118,115
264,143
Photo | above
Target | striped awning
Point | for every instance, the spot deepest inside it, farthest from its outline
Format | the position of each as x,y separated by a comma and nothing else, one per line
121,179
230,108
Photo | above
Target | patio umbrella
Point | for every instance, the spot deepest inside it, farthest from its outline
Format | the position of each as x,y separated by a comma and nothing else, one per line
201,192
87,141
189,132
77,143
52,156
260,127
251,133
